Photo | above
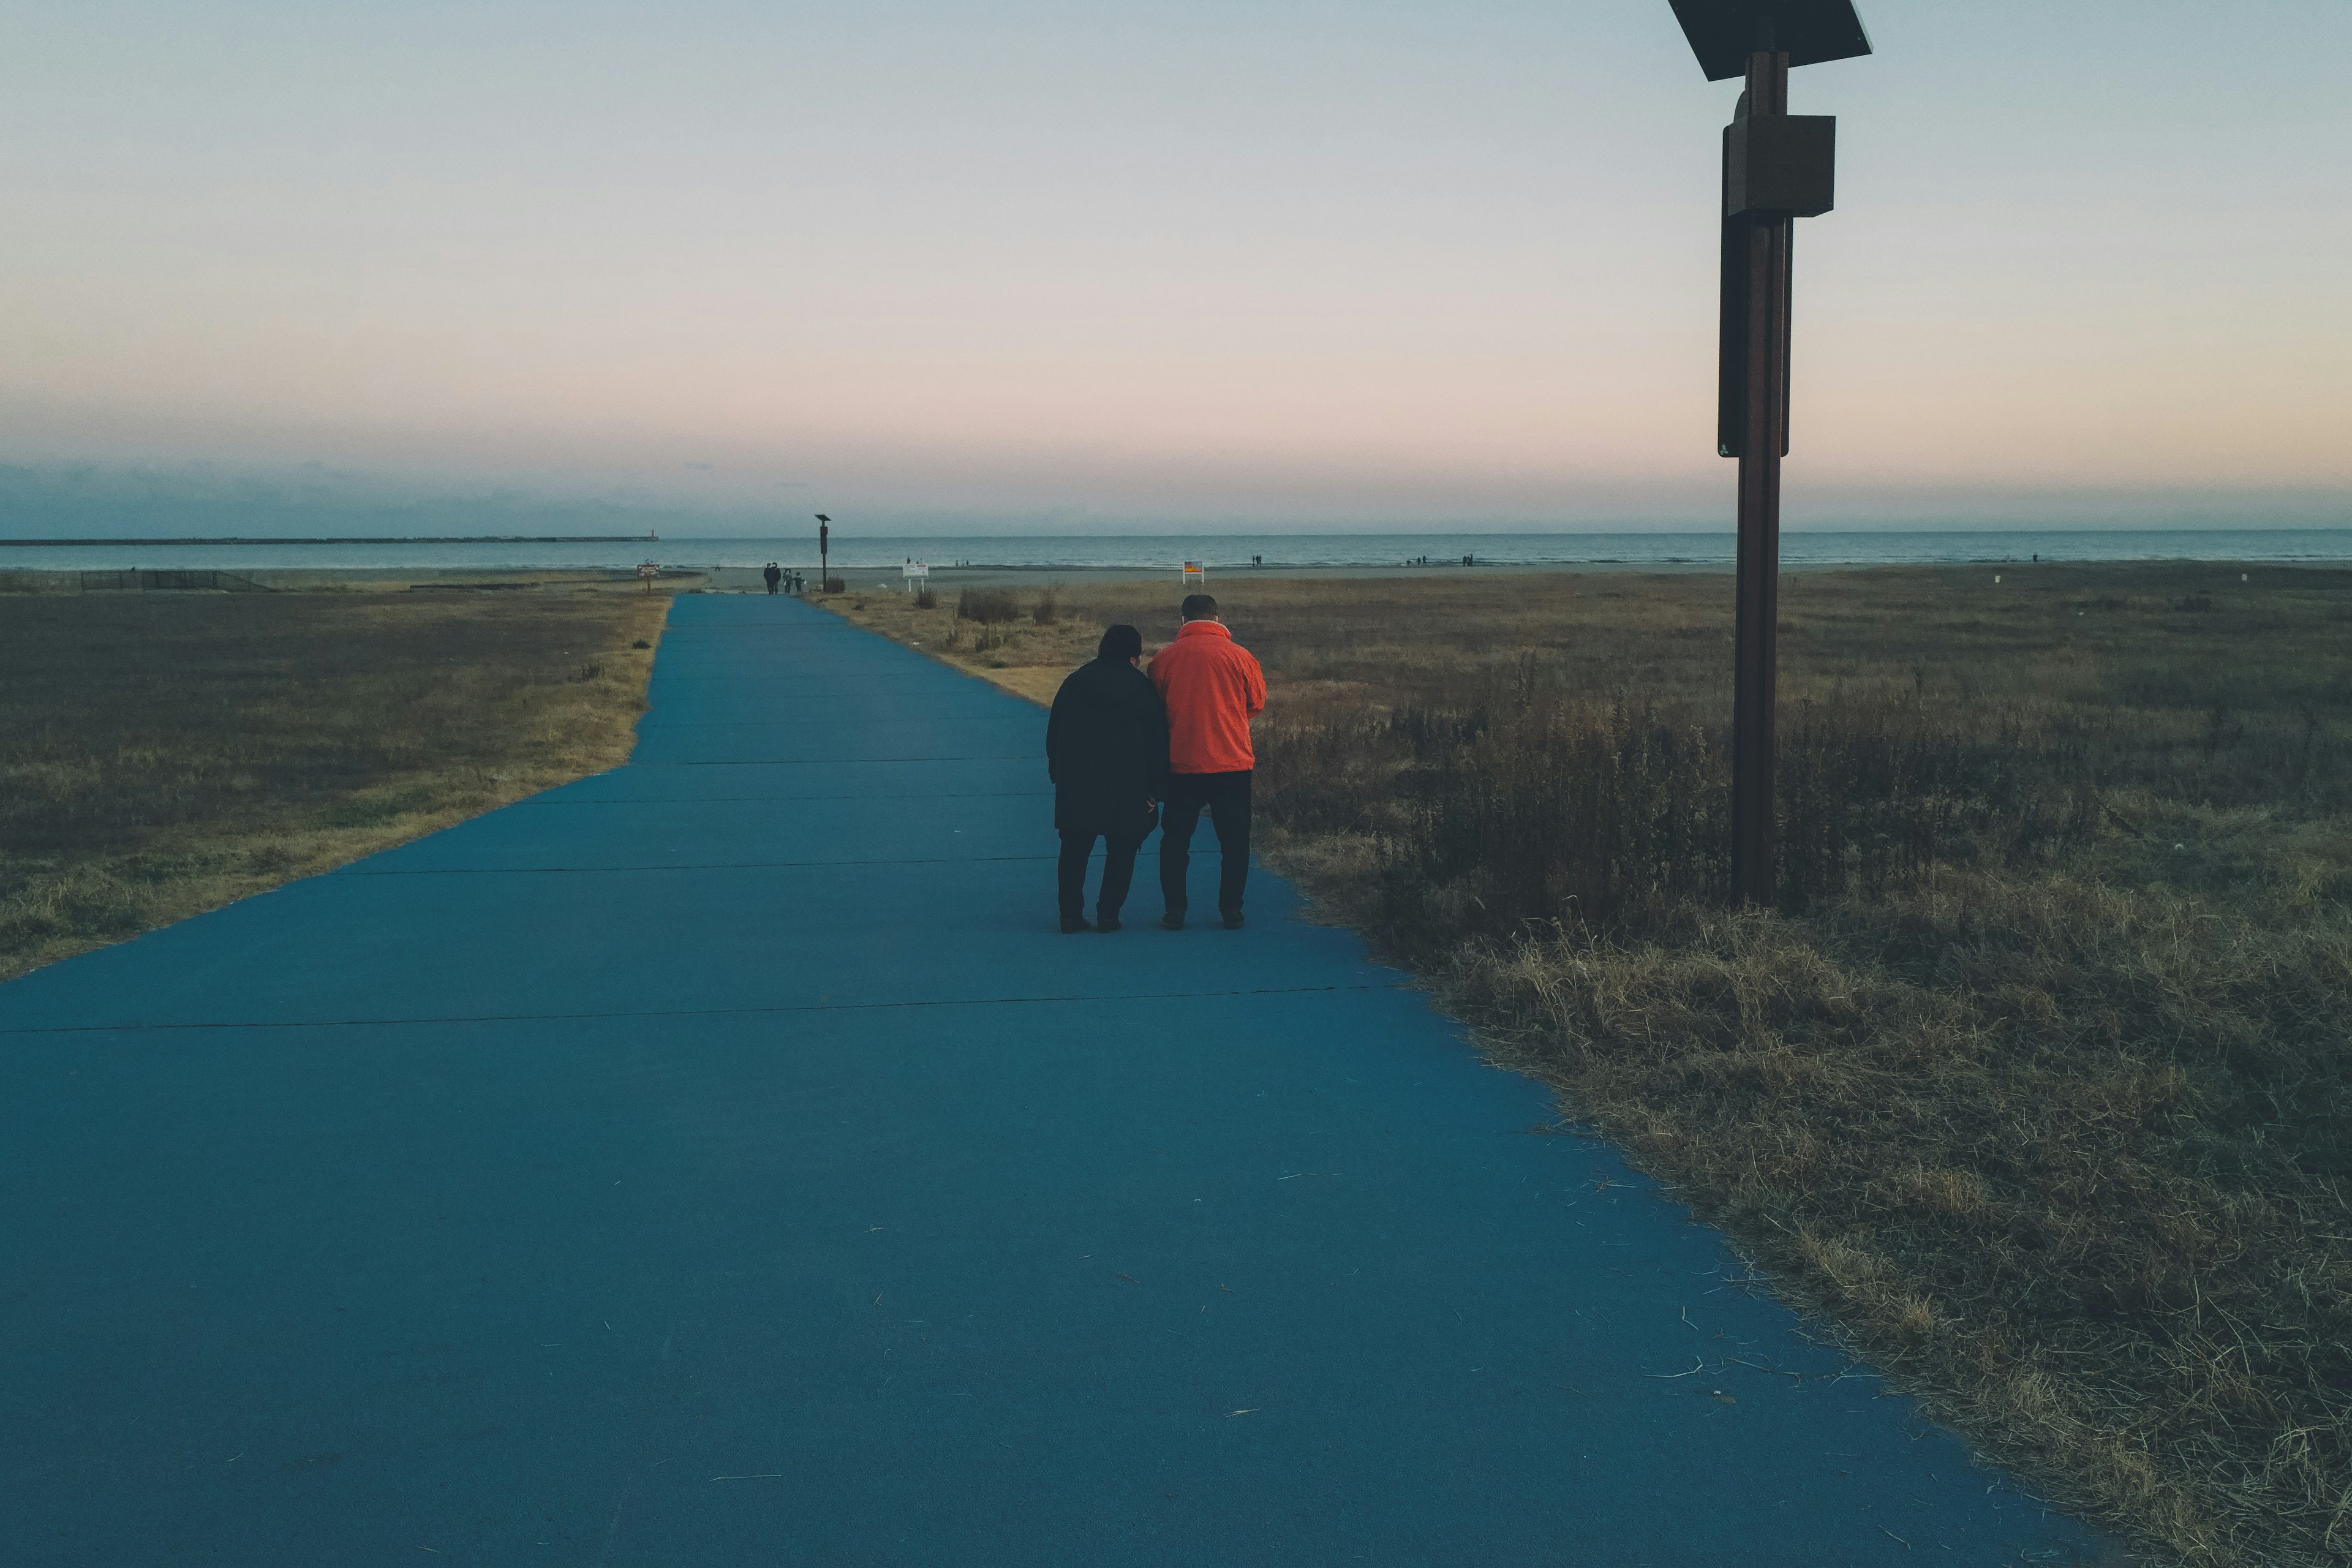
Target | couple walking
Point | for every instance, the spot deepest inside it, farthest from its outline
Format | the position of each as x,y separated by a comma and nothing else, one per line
1129,750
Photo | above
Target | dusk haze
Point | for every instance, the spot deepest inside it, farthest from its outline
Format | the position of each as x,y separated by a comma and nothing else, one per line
953,267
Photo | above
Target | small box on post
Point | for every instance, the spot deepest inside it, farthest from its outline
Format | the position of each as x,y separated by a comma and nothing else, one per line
1780,164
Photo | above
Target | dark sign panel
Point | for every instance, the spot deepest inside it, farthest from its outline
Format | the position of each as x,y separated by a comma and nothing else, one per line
1724,33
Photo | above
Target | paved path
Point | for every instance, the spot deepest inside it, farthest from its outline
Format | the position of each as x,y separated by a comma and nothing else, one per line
724,1161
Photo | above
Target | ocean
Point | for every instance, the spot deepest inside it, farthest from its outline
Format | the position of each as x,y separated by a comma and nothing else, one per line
1167,552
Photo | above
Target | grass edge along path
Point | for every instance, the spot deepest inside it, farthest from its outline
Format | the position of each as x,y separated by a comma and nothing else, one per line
300,758
1730,1054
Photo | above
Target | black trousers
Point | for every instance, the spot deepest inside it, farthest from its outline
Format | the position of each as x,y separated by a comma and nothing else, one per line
1226,798
1118,872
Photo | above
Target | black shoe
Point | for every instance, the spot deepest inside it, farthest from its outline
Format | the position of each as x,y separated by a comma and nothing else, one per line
1073,924
1172,920
1233,920
1106,923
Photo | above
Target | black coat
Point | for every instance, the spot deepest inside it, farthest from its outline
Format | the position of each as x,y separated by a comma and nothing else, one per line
1106,749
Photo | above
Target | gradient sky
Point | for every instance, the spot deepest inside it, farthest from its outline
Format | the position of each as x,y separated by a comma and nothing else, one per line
1314,262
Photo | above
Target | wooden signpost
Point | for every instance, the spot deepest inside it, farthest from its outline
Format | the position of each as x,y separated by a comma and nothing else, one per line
1777,168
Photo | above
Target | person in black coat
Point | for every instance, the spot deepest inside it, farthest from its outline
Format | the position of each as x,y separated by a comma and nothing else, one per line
1106,752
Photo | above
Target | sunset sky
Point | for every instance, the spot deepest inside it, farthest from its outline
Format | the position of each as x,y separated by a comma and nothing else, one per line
946,262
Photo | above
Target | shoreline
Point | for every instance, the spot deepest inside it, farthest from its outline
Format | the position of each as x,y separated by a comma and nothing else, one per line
863,580
985,559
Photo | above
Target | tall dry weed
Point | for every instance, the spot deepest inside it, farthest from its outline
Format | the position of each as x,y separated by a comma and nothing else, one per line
987,606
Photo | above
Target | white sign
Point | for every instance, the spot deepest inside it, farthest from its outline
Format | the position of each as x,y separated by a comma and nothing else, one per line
1194,571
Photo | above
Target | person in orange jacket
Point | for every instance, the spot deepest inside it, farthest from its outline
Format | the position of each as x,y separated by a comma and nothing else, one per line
1212,687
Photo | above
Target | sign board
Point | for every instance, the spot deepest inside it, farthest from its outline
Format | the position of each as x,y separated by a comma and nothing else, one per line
1194,571
916,569
1724,33
648,570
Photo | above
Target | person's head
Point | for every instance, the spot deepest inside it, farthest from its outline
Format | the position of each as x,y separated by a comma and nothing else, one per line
1120,642
1200,607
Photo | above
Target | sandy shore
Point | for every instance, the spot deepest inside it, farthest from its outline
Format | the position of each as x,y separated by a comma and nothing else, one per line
947,579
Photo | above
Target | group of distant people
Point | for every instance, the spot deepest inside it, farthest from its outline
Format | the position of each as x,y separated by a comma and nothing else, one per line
1129,750
776,576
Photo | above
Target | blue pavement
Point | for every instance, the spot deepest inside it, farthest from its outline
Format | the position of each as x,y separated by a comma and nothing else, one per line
724,1160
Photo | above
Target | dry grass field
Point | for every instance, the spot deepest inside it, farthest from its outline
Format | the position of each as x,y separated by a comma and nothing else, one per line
163,754
2037,1080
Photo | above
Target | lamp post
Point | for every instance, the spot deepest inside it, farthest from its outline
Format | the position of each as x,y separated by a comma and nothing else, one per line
823,540
1777,167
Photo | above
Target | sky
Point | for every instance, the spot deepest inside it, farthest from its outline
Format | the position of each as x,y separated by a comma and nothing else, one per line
948,264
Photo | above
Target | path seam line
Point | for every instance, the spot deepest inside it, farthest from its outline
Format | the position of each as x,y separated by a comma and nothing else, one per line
827,762
703,1012
681,866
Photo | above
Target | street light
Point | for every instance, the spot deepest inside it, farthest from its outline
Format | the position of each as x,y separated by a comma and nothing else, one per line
1777,167
824,537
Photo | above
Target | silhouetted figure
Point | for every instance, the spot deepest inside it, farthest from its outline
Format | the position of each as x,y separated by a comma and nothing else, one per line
1212,687
774,574
1106,752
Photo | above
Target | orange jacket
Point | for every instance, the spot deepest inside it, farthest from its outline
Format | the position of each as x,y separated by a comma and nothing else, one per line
1212,687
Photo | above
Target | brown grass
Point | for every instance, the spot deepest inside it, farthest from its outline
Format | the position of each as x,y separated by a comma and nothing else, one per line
2036,1080
161,754
993,606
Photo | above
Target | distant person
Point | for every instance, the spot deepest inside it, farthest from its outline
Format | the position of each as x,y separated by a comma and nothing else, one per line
1106,752
1213,687
800,581
774,574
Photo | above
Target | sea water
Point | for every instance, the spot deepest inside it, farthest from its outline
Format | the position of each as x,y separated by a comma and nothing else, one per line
1225,550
